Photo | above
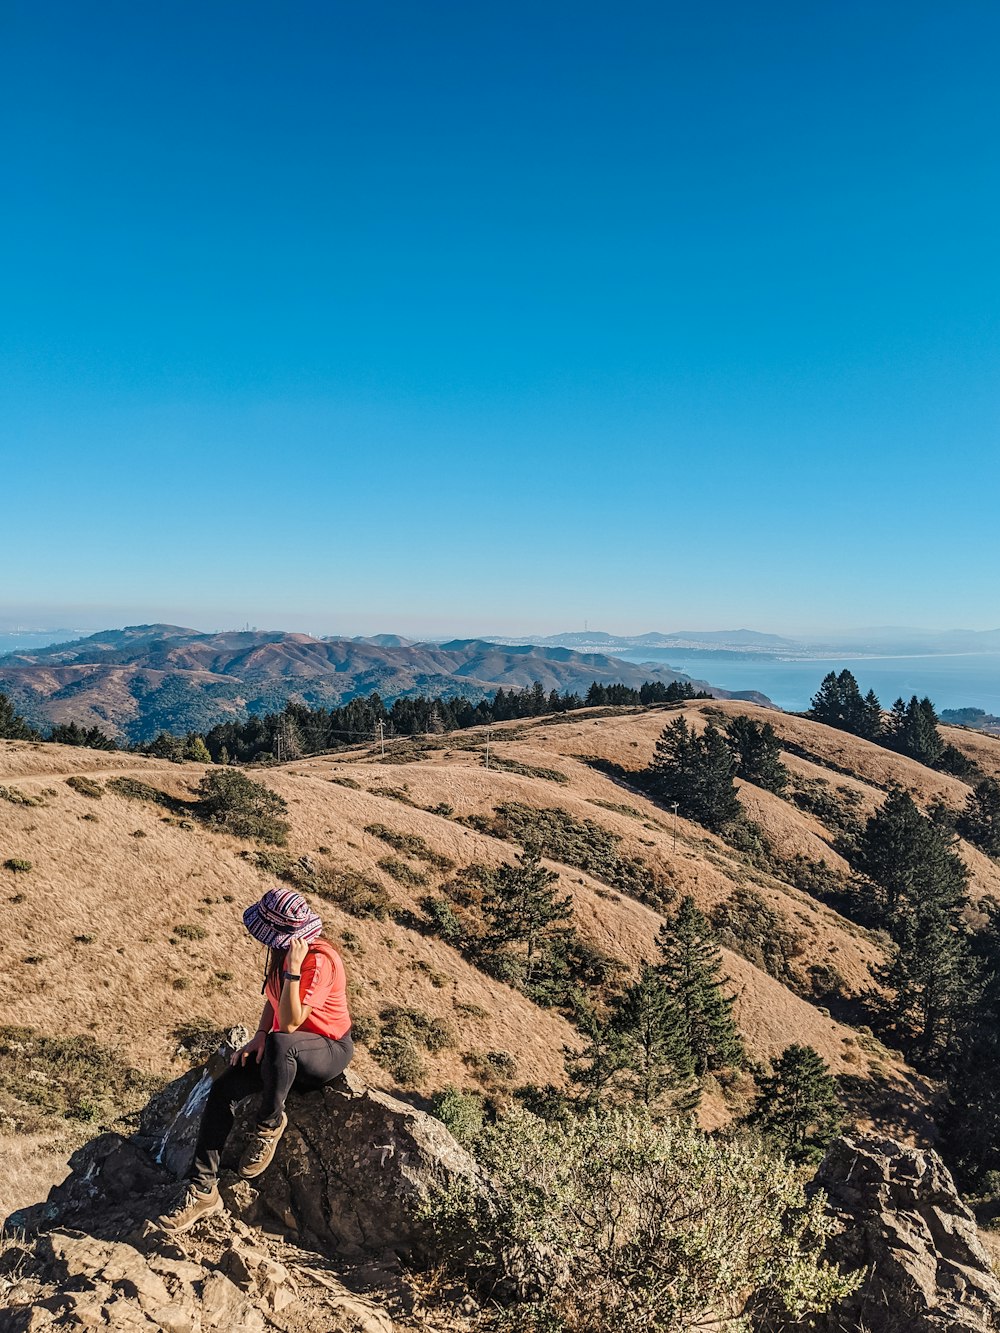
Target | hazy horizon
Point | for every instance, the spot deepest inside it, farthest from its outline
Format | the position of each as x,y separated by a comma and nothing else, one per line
90,620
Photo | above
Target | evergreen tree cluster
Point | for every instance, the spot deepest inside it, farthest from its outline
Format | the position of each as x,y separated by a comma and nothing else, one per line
12,726
298,729
650,692
670,1027
696,772
915,889
910,728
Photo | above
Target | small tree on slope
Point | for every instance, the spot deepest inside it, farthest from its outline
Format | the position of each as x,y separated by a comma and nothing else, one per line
691,969
798,1108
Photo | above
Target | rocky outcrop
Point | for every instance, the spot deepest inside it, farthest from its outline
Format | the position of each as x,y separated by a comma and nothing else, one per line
313,1243
903,1221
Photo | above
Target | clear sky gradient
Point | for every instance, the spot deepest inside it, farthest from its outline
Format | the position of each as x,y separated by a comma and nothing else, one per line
452,317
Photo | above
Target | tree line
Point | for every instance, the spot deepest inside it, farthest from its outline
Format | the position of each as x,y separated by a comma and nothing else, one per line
298,730
941,974
909,728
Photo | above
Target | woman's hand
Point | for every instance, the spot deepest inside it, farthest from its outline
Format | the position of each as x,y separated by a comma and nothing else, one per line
254,1047
296,955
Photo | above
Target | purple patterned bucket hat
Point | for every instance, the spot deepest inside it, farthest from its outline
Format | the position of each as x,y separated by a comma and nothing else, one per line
282,915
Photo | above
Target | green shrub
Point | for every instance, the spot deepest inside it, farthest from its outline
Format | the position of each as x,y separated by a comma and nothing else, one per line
186,931
364,1029
347,782
658,1226
354,893
134,790
17,797
492,1066
78,1080
229,800
198,1039
505,765
578,842
747,924
400,1057
434,1034
85,786
17,864
410,844
460,1112
401,871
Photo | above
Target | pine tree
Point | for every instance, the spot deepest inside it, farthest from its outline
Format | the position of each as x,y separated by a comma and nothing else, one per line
872,717
889,853
758,753
696,772
691,970
522,914
640,1051
915,731
825,704
838,703
195,749
798,1108
13,727
980,820
917,894
970,1124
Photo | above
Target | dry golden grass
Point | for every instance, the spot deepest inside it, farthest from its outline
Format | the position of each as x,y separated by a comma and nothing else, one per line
91,945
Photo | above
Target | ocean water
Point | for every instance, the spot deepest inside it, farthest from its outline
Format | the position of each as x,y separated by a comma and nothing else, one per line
962,680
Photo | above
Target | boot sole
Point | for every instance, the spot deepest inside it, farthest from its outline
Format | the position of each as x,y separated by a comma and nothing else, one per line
214,1211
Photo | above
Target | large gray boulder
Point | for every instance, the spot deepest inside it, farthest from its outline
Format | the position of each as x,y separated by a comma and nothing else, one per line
904,1222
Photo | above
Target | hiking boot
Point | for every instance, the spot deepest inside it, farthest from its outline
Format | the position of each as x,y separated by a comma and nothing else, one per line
259,1152
194,1205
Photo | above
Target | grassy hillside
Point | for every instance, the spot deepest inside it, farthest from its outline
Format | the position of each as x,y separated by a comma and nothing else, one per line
125,929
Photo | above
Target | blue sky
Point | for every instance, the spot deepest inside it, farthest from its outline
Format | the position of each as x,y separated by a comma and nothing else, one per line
451,318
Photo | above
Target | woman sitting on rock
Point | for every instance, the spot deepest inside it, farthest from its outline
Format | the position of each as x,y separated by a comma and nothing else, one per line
303,1040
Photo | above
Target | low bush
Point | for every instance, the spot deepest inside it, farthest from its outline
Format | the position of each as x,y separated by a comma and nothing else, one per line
17,797
657,1226
400,1057
583,843
354,893
746,923
434,1034
84,786
134,790
229,800
401,871
410,844
492,1066
186,931
461,1113
198,1039
505,765
17,864
73,1077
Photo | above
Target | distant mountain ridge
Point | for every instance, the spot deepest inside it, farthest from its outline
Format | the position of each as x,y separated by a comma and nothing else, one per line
137,681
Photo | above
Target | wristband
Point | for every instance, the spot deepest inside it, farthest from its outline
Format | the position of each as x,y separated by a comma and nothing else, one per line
292,976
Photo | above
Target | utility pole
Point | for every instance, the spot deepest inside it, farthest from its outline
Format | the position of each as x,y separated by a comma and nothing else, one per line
489,733
674,808
381,736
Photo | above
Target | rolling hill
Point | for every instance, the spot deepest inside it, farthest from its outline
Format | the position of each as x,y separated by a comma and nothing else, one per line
138,681
126,927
